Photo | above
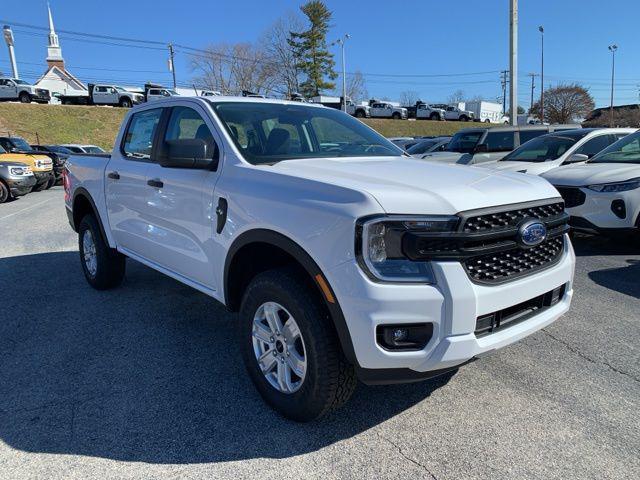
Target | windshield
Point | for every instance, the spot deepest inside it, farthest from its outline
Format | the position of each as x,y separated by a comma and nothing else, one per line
422,147
463,142
21,144
2,150
266,133
173,92
625,150
542,149
57,149
20,82
92,149
120,89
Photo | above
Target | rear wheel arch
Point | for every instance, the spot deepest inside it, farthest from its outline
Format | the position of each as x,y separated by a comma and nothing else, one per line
260,250
82,205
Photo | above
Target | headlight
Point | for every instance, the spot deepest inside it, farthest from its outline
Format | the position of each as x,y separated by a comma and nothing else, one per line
20,171
616,187
381,252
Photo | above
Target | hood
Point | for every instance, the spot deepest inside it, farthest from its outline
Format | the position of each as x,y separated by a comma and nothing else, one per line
592,173
444,157
12,163
533,168
404,185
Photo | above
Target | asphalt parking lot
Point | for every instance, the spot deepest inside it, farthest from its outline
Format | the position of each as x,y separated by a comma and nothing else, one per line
145,381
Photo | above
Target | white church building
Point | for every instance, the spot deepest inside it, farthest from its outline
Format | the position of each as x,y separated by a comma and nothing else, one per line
57,79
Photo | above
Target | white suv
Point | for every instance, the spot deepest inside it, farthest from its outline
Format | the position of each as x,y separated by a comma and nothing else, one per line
344,258
603,194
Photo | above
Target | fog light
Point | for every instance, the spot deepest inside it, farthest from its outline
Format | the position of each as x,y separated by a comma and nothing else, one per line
618,208
404,337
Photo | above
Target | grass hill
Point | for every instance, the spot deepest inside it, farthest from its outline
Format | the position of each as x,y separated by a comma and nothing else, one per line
51,124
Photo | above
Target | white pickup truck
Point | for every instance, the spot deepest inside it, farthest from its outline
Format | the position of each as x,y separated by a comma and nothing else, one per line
345,258
19,90
112,95
387,110
455,113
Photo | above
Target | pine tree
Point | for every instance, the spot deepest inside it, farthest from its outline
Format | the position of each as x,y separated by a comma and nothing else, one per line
310,50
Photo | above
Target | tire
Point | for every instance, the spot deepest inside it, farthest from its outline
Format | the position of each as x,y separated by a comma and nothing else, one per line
125,103
396,116
464,118
5,193
486,120
360,114
103,267
24,97
38,187
328,380
434,116
50,183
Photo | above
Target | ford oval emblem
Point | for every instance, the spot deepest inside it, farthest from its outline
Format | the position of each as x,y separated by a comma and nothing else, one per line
532,233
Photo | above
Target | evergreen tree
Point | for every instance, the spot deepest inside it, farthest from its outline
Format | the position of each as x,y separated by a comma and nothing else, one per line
310,50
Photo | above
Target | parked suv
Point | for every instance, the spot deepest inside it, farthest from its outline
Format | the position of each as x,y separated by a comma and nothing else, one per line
344,258
484,144
16,179
11,148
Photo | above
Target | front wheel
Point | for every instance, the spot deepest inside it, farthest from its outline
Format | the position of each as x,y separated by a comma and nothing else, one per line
24,97
103,267
396,116
464,118
434,116
290,347
5,193
360,114
125,103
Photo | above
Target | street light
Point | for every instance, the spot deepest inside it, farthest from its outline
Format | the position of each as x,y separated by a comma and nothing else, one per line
612,49
341,41
8,38
541,30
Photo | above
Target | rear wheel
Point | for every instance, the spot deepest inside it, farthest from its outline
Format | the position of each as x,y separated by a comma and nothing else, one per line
103,267
290,348
5,193
24,97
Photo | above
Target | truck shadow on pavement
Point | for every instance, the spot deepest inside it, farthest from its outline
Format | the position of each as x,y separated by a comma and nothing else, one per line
620,279
147,372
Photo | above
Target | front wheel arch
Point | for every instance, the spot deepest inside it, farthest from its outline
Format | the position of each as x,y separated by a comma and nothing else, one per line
251,245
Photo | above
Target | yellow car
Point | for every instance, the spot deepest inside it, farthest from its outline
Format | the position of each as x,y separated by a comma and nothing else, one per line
41,165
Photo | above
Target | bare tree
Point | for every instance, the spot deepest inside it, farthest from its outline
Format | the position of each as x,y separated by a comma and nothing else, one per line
275,43
409,97
357,87
565,103
457,96
231,68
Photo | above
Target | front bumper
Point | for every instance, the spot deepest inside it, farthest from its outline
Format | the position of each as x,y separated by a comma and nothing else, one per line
43,177
596,214
452,306
20,185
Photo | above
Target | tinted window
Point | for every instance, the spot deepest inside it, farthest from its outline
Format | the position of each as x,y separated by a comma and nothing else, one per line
422,147
595,145
187,124
272,132
625,150
138,140
526,135
500,141
547,147
463,142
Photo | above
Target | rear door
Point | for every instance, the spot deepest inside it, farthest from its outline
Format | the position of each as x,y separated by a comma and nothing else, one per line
126,181
180,208
596,144
7,89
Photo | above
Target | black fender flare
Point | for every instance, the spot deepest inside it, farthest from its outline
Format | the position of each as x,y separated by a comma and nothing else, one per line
81,191
310,266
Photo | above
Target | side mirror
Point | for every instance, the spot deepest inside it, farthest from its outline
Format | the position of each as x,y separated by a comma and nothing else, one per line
189,153
480,148
576,158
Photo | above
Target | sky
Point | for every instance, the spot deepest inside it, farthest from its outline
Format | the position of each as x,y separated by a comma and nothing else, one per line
398,45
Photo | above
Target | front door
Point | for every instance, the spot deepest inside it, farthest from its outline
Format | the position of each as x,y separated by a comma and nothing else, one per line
180,204
126,186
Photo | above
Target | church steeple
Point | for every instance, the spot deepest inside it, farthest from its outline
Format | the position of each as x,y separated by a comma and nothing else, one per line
54,52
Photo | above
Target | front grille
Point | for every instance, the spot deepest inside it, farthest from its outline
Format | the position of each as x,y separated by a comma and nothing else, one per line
572,196
489,245
510,264
511,218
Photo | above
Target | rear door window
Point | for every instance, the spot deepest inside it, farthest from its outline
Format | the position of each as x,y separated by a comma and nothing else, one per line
138,139
595,145
500,141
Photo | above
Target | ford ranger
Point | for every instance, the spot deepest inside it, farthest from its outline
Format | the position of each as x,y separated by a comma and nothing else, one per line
343,257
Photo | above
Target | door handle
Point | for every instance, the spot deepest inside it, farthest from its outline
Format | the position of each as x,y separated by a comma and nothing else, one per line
155,183
113,175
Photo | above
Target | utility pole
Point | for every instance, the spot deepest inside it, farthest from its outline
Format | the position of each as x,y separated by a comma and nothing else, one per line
503,82
612,49
8,37
541,30
341,41
513,60
171,64
533,86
